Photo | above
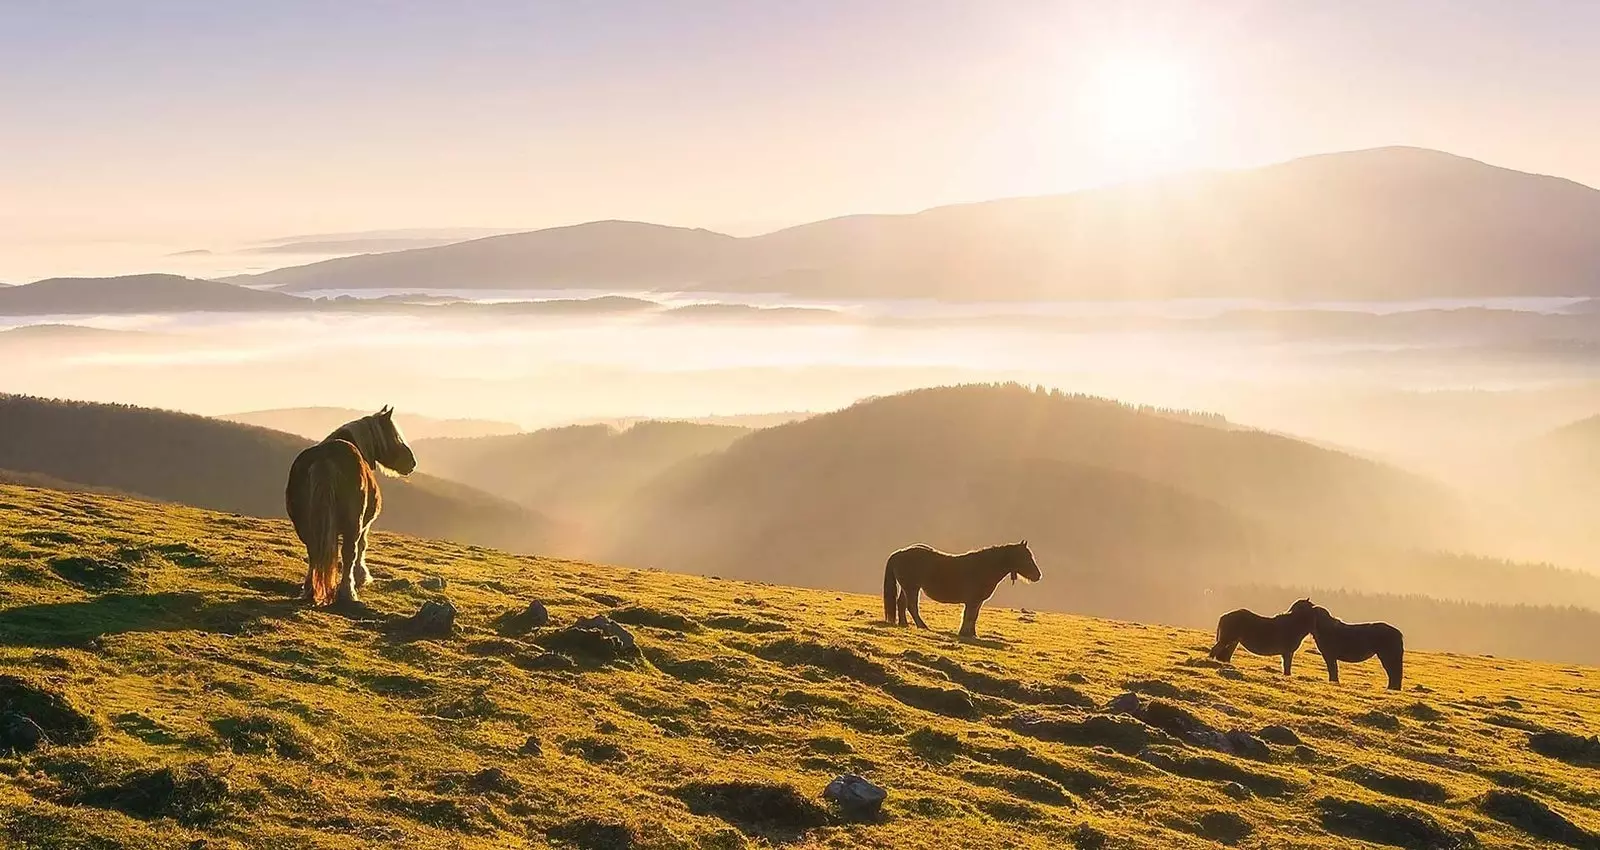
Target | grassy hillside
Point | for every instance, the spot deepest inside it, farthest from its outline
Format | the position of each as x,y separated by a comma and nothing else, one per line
191,699
577,473
1105,486
224,466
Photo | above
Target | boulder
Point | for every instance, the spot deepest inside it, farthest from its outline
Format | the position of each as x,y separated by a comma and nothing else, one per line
1245,744
433,619
855,796
433,583
1279,735
1127,703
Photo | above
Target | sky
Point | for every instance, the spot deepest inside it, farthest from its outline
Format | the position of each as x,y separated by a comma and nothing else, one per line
132,130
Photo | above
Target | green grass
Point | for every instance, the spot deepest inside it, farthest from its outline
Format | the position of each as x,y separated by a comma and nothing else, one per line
222,709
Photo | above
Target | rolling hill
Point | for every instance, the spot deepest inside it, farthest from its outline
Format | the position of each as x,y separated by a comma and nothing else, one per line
145,293
1138,512
1389,223
191,703
578,474
225,466
314,423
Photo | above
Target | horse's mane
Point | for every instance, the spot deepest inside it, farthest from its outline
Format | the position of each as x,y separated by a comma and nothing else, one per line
370,436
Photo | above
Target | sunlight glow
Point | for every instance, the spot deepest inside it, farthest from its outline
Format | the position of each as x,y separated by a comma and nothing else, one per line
1146,110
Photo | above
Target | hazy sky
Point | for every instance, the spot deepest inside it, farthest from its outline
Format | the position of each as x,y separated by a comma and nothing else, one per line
199,124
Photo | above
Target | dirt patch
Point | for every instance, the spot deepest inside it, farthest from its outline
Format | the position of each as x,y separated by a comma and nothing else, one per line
1018,784
1564,746
592,834
1123,734
934,746
49,711
1532,816
760,810
655,619
1176,761
1027,693
266,734
191,794
96,575
950,702
747,625
1074,779
1395,826
840,660
1421,790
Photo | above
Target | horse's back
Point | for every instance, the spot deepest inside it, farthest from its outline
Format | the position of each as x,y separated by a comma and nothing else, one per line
351,476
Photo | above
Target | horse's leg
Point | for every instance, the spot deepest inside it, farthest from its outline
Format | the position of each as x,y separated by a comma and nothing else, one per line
1393,661
363,576
914,604
969,619
900,607
1333,667
1288,661
347,566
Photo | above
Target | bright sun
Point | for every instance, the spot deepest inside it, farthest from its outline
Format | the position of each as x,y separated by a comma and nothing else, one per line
1144,109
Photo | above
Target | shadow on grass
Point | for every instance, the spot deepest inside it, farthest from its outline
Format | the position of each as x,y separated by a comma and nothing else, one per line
80,624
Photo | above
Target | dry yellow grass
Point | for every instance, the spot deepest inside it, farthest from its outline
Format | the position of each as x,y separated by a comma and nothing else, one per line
223,710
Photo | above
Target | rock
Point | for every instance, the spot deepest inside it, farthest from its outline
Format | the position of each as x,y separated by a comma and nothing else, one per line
531,747
597,638
610,627
1179,723
1305,753
1279,735
1245,744
1236,791
534,616
19,734
493,780
435,619
545,661
855,797
433,583
1127,703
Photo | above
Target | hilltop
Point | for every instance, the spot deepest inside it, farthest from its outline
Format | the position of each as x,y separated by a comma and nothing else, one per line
226,466
145,293
579,473
317,422
190,698
1389,223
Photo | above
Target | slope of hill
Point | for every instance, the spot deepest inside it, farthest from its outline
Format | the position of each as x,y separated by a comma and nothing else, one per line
577,474
1390,223
225,466
317,422
146,293
192,702
601,254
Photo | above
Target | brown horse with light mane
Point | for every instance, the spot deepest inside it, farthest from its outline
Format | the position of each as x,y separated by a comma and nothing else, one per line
1355,642
1278,635
969,578
333,498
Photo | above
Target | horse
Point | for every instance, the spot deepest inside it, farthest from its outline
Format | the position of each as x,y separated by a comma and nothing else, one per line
333,497
969,578
1278,635
1356,642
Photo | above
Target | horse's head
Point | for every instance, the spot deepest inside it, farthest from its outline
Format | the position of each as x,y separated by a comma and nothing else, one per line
392,451
1022,563
1302,608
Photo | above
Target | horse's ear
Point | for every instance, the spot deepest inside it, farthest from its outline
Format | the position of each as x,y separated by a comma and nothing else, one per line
387,412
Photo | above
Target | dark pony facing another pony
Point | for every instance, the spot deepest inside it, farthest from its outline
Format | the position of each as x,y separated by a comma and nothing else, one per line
333,497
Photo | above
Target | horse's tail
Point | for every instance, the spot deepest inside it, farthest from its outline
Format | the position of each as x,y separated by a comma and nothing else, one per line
890,592
322,535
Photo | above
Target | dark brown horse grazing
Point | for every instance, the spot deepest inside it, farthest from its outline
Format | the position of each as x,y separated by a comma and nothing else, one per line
1280,635
1356,642
968,578
333,498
